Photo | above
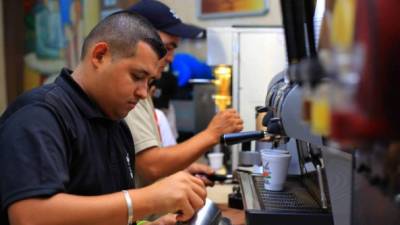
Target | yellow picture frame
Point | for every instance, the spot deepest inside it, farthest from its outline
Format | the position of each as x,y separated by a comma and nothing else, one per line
208,9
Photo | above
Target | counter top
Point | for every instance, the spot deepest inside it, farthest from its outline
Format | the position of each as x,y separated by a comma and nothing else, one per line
219,195
235,215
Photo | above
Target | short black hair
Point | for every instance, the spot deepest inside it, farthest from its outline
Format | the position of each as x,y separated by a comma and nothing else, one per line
122,31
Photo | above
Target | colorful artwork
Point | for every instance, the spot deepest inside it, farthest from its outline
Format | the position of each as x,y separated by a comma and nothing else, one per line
230,8
54,34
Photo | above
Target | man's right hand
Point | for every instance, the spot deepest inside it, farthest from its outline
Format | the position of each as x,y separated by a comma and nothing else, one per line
180,193
227,121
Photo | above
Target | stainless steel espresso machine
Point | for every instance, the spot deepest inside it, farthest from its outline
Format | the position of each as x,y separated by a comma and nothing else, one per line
306,198
345,166
318,187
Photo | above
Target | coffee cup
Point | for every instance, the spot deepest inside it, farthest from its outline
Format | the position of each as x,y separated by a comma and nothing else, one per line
215,160
275,165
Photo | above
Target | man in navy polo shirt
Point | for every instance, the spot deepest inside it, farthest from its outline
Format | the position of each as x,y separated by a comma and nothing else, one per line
66,156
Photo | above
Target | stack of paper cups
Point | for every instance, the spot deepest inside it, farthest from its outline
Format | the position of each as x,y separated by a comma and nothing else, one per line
216,159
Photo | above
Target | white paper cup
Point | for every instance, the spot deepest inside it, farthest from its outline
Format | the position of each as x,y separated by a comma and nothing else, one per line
216,159
275,167
280,151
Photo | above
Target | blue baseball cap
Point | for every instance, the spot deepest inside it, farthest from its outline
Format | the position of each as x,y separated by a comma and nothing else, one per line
165,19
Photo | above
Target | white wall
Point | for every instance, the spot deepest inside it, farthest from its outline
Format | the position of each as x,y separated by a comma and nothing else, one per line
3,101
186,10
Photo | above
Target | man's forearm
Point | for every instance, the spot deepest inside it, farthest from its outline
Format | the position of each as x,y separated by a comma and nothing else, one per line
65,209
154,163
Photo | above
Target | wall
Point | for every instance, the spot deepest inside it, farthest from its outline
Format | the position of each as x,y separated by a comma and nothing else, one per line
186,10
3,102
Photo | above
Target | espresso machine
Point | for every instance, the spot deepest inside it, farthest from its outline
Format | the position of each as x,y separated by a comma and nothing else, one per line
318,188
348,150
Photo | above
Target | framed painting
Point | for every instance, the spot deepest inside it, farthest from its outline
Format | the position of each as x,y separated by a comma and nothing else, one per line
208,9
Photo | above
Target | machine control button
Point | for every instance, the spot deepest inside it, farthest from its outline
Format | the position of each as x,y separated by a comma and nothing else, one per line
397,199
378,181
363,168
375,180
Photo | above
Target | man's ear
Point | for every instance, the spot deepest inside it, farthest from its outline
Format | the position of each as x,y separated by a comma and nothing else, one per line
99,52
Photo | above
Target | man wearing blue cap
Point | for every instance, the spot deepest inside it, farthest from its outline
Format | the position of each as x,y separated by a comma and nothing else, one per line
153,160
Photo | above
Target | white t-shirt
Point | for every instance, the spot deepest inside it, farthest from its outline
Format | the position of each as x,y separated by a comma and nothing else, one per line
167,135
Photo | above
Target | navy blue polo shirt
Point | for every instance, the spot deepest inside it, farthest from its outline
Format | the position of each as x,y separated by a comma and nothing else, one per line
55,139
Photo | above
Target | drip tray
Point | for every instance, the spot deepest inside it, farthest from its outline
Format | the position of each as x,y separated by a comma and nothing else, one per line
294,205
294,197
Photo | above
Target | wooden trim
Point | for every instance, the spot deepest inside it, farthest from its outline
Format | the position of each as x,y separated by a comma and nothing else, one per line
13,47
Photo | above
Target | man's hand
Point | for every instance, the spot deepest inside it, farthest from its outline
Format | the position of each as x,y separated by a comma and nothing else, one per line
200,170
227,121
179,193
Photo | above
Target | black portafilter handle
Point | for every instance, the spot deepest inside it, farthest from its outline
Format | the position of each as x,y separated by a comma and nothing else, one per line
235,138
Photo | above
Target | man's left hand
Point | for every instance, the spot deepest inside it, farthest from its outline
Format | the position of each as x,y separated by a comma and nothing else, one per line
200,170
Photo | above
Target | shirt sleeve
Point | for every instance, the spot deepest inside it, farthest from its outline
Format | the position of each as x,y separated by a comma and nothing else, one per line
143,126
32,155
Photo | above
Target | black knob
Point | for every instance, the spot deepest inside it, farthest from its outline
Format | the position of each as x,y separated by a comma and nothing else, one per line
275,126
260,109
267,118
